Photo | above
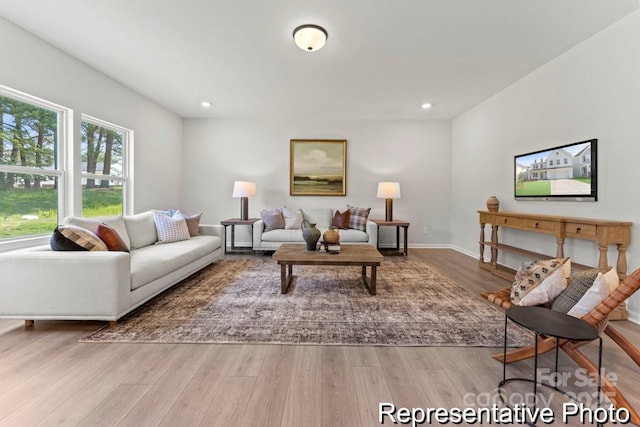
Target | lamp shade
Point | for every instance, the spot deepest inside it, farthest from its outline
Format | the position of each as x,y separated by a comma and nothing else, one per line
310,37
388,190
244,189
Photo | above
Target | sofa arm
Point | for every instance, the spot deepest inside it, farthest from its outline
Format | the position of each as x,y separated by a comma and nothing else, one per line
372,231
258,229
39,283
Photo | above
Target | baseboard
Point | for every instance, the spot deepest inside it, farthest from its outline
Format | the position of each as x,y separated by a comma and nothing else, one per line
634,317
464,251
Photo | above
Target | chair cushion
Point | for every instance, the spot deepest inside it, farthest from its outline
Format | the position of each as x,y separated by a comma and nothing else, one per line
602,286
579,284
540,282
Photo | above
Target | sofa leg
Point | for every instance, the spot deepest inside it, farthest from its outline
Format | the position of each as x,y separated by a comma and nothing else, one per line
28,323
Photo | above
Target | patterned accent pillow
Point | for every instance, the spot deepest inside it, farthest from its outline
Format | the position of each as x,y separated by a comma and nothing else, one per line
578,285
111,238
358,218
540,282
71,237
171,228
272,218
341,219
292,219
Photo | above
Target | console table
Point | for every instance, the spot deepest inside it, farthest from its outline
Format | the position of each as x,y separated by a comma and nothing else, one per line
601,232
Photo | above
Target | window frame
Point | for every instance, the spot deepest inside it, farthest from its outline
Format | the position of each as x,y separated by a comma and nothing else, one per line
64,134
127,163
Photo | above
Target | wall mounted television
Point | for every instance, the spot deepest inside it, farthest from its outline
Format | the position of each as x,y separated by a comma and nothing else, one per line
565,172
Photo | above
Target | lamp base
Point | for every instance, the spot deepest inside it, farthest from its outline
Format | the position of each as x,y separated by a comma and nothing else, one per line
388,211
244,208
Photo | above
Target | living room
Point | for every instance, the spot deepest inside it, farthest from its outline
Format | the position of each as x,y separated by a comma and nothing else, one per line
447,162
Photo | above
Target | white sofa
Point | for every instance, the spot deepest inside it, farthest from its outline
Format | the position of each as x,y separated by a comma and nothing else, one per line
39,283
322,217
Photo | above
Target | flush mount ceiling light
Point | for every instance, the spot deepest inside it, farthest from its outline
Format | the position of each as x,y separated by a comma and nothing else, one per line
310,37
426,106
205,104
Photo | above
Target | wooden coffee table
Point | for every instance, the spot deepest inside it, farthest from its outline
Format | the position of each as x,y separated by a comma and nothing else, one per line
365,256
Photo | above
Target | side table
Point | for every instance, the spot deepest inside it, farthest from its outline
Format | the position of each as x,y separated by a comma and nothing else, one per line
233,222
551,323
398,224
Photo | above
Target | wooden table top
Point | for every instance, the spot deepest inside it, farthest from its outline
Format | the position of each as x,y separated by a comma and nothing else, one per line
290,253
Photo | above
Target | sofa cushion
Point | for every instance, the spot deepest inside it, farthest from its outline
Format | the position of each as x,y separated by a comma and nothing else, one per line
141,229
341,219
358,218
272,219
292,218
91,224
171,228
351,235
151,262
66,234
282,235
111,238
321,217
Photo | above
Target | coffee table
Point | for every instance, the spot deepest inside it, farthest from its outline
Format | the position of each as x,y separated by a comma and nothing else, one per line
364,256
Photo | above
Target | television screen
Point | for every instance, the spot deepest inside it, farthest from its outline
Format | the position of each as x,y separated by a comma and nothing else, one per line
566,172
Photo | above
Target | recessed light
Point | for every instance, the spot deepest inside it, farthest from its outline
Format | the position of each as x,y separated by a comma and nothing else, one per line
205,104
425,106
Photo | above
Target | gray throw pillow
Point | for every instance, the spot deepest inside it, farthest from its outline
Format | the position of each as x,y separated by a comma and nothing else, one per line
578,285
272,219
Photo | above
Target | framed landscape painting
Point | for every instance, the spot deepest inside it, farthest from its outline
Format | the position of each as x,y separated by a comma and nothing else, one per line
318,167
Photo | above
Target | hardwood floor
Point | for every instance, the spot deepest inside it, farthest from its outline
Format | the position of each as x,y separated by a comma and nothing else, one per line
48,378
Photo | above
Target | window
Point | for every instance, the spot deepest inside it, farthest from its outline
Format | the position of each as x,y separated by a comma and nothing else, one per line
566,161
31,166
103,150
42,177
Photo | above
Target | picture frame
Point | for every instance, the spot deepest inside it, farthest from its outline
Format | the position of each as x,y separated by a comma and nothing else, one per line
318,167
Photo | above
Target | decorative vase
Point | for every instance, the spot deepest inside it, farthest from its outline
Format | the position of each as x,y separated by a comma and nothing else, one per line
493,204
310,234
331,236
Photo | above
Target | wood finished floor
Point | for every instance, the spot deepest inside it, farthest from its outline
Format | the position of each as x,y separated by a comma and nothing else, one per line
48,378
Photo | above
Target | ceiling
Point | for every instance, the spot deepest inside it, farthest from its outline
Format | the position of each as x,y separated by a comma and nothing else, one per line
383,58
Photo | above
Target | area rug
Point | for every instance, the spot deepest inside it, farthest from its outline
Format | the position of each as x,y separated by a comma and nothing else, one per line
238,300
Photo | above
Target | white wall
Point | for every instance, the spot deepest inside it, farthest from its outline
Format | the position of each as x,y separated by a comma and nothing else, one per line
33,66
415,153
592,91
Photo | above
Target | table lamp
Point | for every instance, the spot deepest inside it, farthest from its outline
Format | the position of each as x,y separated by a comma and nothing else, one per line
244,190
388,191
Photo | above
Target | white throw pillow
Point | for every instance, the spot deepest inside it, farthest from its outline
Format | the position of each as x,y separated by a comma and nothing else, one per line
171,229
601,288
550,287
292,219
141,229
